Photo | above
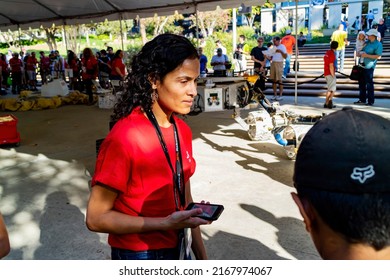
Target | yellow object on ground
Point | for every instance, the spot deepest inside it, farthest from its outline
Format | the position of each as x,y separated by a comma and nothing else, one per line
25,102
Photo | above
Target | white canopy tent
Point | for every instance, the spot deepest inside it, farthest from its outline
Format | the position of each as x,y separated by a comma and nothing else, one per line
24,14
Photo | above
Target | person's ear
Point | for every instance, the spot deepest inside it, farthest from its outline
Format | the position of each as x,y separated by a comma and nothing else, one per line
305,210
153,81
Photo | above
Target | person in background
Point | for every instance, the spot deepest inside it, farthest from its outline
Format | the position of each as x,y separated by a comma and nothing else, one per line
370,53
4,240
59,65
301,40
72,69
44,66
344,22
344,196
242,50
360,42
31,67
382,28
104,69
219,62
340,36
141,183
4,71
89,72
118,68
330,74
356,25
258,56
289,42
110,52
24,57
218,45
16,66
370,18
279,54
203,62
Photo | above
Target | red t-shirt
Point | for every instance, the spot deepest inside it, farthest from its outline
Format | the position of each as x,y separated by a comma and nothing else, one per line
45,62
3,65
329,58
16,65
288,41
91,65
117,62
31,62
132,161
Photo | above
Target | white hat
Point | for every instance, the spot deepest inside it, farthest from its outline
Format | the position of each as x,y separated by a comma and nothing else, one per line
372,32
288,31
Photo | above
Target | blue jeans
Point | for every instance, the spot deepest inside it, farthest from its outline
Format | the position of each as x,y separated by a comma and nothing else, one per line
286,69
366,86
339,54
161,254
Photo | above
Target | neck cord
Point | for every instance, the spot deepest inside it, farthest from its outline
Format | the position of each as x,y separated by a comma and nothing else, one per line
178,176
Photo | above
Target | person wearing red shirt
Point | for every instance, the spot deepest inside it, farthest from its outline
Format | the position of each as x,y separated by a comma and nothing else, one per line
72,69
118,68
31,67
3,71
16,65
90,72
141,183
44,67
290,43
330,74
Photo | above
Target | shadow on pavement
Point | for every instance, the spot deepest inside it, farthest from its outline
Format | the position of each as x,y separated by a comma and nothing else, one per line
291,233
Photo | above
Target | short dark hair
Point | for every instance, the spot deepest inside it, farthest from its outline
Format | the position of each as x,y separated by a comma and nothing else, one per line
334,45
359,218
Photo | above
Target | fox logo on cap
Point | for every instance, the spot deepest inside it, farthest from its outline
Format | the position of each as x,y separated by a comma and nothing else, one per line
363,173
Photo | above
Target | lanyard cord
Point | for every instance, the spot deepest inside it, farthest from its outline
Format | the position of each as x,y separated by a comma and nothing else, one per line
178,176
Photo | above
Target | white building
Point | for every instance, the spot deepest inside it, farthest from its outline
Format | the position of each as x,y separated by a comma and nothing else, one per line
317,14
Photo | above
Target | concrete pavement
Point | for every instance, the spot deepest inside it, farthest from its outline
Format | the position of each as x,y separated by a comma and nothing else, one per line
44,185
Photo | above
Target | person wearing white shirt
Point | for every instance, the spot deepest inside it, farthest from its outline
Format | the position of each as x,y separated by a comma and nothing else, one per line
277,57
219,62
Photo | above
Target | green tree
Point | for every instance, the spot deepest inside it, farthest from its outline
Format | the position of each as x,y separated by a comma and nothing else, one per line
210,21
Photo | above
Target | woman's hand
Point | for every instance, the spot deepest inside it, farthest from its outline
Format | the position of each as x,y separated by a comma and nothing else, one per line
185,219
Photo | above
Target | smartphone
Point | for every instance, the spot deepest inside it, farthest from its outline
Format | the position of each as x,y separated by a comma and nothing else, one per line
211,212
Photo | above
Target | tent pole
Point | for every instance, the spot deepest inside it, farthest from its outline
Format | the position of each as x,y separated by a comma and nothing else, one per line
20,42
66,40
234,25
296,53
197,25
120,23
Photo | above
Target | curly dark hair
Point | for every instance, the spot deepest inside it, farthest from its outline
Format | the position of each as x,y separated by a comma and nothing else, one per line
155,60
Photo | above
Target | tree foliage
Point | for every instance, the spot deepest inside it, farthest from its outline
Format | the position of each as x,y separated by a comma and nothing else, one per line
208,22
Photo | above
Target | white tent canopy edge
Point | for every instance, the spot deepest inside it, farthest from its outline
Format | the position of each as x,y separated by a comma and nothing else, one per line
27,14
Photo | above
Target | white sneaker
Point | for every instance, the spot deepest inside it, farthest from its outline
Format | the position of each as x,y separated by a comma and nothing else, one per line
279,98
274,98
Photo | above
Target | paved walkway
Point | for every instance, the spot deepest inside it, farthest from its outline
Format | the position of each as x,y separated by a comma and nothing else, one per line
44,185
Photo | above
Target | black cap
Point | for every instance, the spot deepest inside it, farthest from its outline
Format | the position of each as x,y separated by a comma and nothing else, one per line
348,152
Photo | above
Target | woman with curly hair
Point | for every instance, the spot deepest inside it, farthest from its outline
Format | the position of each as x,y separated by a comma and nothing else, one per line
141,184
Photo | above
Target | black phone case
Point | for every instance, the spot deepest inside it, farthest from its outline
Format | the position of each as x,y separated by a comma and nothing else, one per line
216,214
